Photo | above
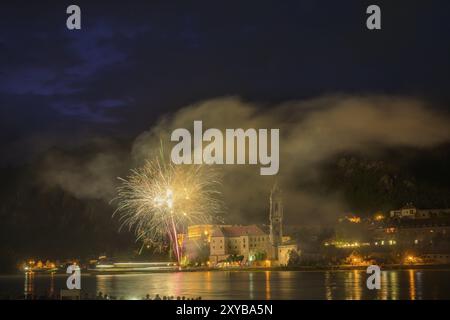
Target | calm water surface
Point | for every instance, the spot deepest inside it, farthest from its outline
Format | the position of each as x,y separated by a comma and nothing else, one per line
397,284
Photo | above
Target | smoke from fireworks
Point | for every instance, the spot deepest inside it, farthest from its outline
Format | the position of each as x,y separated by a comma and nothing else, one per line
160,200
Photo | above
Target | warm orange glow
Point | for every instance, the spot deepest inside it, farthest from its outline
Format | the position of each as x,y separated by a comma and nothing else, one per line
411,259
356,259
354,219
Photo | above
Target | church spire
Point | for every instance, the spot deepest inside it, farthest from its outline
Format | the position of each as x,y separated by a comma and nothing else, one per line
276,217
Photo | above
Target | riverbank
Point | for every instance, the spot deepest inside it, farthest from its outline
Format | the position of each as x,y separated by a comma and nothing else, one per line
259,269
296,268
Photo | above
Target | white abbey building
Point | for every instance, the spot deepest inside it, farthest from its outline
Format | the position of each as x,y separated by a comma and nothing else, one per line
251,242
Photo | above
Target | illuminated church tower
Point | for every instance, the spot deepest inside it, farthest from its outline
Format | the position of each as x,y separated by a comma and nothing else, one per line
276,219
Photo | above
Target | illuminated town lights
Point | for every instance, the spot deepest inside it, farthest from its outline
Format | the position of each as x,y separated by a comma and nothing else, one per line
354,219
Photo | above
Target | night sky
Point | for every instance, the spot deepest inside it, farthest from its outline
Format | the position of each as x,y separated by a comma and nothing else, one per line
134,61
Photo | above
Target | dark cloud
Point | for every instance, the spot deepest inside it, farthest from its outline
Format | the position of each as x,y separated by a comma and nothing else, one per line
133,62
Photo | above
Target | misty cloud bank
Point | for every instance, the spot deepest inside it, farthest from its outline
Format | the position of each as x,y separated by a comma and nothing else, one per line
311,132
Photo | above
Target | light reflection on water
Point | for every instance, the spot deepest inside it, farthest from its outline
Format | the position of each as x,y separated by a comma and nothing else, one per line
332,285
267,273
412,285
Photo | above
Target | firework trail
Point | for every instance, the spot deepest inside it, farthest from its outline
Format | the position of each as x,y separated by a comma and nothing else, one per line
158,201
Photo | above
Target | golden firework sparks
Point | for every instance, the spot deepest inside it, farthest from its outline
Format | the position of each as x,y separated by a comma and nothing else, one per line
158,200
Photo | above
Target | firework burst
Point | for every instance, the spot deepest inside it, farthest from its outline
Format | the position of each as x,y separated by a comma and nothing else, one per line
158,201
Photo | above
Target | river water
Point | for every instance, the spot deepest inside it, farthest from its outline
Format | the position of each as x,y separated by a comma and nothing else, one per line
349,284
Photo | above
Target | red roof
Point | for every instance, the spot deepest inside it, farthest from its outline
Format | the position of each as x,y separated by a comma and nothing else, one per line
238,231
